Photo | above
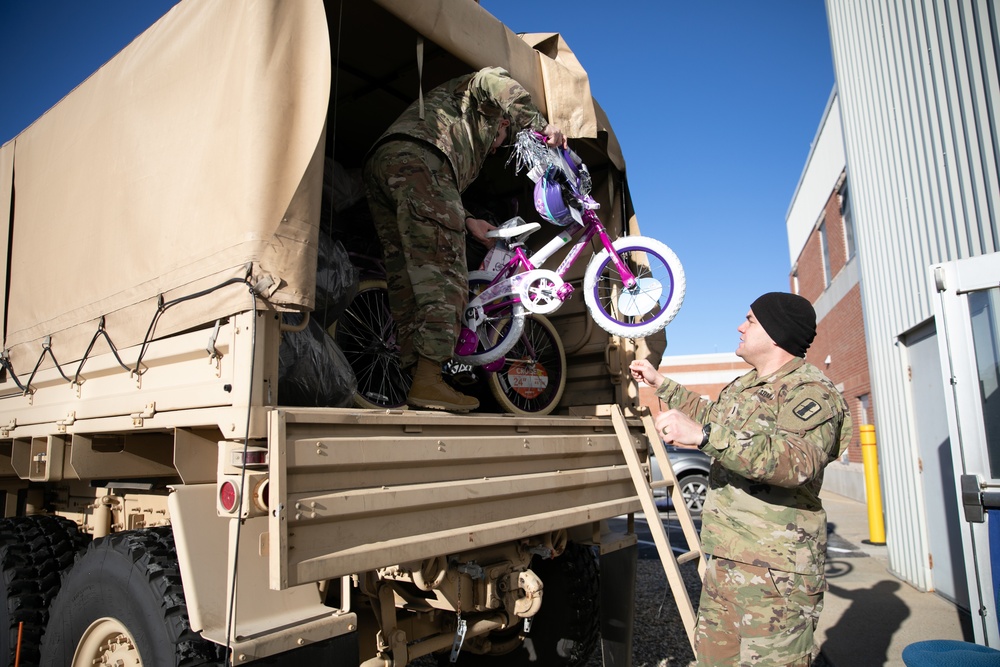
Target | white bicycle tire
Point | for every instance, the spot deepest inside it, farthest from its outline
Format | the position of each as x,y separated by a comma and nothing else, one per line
511,336
667,311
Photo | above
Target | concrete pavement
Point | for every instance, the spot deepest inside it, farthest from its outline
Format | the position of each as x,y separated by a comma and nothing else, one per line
870,615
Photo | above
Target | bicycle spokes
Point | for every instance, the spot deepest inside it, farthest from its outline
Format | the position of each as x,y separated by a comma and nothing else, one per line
641,298
654,296
367,336
533,377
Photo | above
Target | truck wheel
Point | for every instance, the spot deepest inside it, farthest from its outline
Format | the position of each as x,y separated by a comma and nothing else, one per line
34,550
123,603
565,630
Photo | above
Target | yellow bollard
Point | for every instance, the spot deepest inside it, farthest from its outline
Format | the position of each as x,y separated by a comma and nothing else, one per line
869,457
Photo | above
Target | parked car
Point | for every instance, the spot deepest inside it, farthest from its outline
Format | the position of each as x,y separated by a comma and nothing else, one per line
691,469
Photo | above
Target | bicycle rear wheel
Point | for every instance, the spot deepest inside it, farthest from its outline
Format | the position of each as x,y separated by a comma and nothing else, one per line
366,333
499,331
533,376
647,307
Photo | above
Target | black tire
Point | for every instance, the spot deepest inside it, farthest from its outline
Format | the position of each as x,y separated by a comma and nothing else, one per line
565,630
34,551
538,359
694,488
366,334
125,589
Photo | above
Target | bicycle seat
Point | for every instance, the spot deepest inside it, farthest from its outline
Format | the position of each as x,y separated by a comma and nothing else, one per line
511,232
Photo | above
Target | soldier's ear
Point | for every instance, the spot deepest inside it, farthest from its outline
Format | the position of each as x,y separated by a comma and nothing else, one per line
504,122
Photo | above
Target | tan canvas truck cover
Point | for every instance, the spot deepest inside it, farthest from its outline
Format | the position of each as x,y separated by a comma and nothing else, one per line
161,175
192,166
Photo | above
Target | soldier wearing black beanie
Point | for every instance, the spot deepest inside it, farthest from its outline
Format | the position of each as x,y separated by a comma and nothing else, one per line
788,319
771,433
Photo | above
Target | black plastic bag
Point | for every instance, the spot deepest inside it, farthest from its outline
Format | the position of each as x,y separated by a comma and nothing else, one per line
336,281
312,370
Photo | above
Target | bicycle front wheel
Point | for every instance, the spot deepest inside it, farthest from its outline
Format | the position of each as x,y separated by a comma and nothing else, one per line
646,307
366,333
533,376
499,331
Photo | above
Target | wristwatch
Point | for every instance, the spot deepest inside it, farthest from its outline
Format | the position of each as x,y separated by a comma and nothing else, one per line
706,433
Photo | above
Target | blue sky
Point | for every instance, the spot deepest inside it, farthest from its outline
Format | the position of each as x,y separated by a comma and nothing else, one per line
715,104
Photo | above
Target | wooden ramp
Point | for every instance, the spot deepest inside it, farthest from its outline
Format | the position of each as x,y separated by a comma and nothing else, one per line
644,487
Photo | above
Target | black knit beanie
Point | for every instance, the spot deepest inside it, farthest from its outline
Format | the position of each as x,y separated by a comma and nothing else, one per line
788,319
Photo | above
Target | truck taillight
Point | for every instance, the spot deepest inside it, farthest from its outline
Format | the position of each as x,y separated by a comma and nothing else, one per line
243,495
251,457
261,498
228,496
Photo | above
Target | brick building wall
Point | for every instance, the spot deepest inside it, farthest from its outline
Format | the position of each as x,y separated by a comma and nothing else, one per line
840,333
705,374
811,263
840,337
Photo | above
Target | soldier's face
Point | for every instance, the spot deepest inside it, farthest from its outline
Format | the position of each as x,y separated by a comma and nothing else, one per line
501,136
754,341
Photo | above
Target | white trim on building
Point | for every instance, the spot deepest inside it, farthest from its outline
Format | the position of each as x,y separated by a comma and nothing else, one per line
819,178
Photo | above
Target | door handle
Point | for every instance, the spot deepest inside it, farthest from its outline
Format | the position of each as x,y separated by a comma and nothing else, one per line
976,498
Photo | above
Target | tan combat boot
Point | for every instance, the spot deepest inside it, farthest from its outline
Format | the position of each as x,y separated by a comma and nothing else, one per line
430,391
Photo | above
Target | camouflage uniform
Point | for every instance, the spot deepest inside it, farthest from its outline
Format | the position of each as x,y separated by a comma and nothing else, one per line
415,175
763,522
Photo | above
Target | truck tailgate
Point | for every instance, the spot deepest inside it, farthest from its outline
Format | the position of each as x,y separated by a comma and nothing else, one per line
353,490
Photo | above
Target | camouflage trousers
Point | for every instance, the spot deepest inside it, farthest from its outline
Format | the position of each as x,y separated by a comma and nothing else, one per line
751,615
418,214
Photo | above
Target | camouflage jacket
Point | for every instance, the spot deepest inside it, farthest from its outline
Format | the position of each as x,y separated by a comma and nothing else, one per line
462,118
771,439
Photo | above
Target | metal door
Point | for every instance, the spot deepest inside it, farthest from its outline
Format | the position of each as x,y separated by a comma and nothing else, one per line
967,309
944,514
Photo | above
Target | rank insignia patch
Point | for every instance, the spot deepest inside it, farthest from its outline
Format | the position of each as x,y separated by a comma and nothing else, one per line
806,409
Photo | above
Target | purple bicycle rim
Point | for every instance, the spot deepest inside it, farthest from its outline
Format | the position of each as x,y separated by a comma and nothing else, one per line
648,251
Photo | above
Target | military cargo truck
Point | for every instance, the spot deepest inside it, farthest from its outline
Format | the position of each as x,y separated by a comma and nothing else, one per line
162,503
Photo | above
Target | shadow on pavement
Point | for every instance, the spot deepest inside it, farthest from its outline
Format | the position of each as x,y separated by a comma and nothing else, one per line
874,616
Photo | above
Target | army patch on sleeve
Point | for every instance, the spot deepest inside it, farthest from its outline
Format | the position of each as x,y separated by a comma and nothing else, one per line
806,409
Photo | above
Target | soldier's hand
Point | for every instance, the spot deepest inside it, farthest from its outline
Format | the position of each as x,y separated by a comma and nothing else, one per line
555,136
677,428
643,371
478,228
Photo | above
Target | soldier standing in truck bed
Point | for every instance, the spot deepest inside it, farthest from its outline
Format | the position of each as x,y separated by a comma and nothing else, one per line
414,176
771,434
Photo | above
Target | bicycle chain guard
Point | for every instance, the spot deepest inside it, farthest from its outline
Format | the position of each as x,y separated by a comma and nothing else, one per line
541,291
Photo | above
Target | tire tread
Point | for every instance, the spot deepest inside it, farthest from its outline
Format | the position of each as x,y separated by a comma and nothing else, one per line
34,550
153,557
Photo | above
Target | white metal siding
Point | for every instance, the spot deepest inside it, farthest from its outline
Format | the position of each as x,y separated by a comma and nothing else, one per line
918,88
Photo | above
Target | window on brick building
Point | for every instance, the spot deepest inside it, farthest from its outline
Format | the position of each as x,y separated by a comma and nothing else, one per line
825,246
848,217
795,282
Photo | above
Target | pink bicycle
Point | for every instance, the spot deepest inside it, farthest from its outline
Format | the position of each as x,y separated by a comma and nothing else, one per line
633,287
